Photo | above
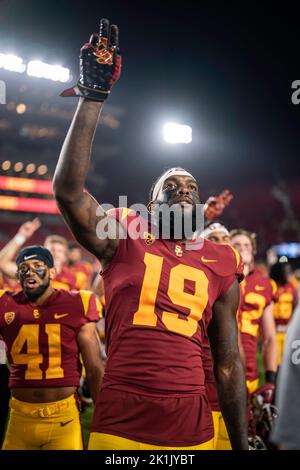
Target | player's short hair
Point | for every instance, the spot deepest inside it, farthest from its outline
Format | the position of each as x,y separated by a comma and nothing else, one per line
74,246
56,239
246,233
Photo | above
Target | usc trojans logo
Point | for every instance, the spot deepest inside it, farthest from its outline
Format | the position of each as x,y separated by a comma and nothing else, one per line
149,238
178,251
9,317
36,313
103,54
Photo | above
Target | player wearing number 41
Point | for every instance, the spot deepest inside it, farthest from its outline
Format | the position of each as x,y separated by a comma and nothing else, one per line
160,296
45,330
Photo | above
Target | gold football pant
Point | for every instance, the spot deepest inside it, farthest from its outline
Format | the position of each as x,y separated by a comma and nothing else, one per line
100,441
221,439
280,337
44,426
252,385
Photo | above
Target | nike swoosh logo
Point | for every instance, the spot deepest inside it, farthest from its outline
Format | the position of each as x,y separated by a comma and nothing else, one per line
204,260
57,316
259,288
29,257
66,422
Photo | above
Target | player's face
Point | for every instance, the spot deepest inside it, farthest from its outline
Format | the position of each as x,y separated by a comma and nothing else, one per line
243,245
59,253
182,195
182,190
218,237
34,276
75,255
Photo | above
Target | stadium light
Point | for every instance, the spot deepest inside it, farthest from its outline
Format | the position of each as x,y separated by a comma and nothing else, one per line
12,63
177,133
42,170
6,165
36,68
21,108
18,167
30,168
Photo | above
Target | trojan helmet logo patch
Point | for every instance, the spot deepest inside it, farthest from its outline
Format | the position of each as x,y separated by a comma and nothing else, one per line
9,317
149,238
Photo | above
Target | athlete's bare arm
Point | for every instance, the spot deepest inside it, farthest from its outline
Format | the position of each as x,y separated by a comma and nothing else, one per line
9,251
89,345
100,67
228,369
77,206
269,343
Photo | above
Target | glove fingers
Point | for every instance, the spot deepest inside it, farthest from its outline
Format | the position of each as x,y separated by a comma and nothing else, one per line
114,37
104,33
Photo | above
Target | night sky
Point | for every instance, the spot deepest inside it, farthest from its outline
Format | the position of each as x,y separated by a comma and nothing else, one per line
225,69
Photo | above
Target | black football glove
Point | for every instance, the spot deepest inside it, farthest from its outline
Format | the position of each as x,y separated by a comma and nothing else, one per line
100,65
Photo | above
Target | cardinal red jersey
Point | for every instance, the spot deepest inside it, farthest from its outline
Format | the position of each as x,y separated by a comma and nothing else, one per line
65,280
41,341
283,309
83,273
257,292
159,298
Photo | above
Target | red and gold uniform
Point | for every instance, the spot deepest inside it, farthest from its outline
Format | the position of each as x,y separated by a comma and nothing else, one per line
7,283
221,438
283,311
159,297
83,273
65,280
257,292
43,352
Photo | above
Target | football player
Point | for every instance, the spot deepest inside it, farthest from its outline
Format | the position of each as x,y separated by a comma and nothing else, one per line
83,270
160,294
217,233
64,277
45,330
256,314
287,300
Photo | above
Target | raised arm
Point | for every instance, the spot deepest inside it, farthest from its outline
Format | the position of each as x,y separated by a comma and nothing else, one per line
99,71
10,250
228,369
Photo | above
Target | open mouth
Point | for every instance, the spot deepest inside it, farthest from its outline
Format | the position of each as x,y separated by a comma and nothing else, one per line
31,283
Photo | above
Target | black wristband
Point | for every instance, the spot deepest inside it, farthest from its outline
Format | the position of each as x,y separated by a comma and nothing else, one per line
270,376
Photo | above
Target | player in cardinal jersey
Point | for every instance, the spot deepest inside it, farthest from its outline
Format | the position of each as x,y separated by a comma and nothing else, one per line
64,277
83,270
256,313
45,330
161,295
217,233
287,300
